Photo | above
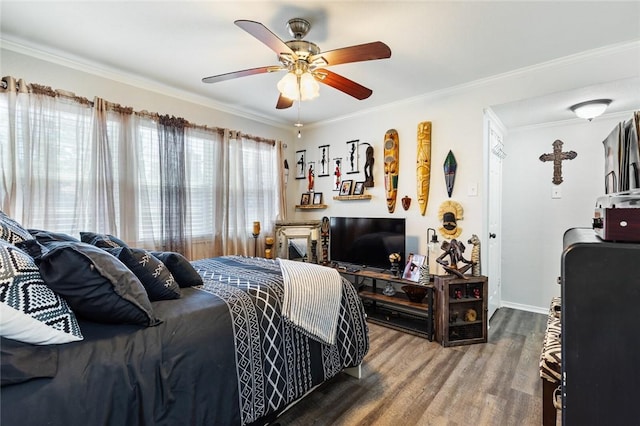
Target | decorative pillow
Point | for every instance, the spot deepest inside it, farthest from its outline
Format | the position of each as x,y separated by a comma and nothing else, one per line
30,311
47,236
102,240
12,231
152,273
20,362
180,268
96,284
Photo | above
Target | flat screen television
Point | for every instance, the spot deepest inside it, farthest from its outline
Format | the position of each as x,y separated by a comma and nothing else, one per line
366,241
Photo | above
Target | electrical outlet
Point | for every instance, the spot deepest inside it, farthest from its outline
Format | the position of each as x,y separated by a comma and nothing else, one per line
556,192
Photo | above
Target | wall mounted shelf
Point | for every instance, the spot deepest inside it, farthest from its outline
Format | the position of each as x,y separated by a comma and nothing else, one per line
352,197
311,206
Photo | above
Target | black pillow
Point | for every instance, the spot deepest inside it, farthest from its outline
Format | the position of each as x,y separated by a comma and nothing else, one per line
96,284
102,240
180,268
47,236
152,273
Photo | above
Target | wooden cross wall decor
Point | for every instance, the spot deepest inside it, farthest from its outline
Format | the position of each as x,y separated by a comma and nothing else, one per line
557,156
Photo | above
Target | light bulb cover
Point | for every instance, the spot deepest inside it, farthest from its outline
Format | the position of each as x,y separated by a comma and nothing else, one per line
288,86
309,87
590,109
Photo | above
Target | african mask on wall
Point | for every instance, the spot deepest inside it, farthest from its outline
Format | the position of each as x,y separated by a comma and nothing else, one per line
450,213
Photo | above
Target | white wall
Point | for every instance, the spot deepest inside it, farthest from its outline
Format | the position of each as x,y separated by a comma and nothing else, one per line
533,222
457,117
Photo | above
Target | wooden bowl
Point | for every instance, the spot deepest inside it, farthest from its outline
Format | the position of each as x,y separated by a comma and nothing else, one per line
415,294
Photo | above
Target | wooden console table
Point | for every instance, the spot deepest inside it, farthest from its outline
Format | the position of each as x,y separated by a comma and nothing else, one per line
396,311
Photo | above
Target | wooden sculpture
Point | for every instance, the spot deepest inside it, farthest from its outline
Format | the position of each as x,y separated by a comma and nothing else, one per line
450,167
454,250
368,166
423,164
475,255
391,167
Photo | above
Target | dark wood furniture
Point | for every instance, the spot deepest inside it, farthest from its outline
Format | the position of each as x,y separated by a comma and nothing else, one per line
395,311
461,306
600,327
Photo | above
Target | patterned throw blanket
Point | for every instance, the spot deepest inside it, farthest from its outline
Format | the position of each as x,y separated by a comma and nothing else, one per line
312,296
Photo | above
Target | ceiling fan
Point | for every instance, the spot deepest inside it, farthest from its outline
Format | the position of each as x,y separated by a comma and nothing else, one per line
305,62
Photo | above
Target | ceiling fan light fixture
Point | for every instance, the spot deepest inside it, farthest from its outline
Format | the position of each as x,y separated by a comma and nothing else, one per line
590,109
288,86
309,87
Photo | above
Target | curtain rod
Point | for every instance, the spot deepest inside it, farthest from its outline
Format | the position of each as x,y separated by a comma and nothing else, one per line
48,91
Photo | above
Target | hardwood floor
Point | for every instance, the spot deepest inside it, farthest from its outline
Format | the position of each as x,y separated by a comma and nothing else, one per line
407,380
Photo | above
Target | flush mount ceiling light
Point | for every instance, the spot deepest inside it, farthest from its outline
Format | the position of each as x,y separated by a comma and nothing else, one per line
590,109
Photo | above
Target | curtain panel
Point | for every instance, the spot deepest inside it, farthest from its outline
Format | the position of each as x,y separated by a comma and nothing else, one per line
159,182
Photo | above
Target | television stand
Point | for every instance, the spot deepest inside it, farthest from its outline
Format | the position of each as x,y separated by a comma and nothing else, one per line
397,311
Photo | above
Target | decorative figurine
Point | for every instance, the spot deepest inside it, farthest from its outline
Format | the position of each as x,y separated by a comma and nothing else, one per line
475,255
470,315
450,167
324,236
394,258
454,250
424,274
423,164
368,166
311,177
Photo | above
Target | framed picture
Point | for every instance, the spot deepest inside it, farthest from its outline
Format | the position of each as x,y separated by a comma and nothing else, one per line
358,189
317,198
337,174
345,187
352,157
412,269
301,163
324,161
305,199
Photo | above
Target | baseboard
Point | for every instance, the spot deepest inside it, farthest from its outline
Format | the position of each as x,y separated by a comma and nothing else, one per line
523,307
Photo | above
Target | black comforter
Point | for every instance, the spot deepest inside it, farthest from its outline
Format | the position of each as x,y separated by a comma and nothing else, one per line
223,355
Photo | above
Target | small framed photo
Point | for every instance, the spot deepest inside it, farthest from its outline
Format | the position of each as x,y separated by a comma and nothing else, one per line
305,199
412,269
358,189
345,188
317,198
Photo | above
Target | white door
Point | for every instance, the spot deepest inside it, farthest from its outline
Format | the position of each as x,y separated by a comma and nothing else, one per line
494,154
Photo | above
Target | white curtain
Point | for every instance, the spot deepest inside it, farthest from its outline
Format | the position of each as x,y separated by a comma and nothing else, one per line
70,166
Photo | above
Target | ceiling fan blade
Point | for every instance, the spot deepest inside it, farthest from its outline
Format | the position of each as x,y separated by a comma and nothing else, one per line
283,102
343,84
243,73
361,52
263,34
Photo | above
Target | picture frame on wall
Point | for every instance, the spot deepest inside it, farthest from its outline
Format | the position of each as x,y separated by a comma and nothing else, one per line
301,164
305,199
358,189
324,161
317,198
345,188
337,174
351,164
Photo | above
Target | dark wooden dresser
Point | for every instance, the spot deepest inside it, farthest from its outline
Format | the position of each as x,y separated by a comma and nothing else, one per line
600,330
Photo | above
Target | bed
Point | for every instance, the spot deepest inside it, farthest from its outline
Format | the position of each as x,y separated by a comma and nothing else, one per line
220,354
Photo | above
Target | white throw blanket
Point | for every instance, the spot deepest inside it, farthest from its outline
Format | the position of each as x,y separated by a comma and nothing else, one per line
312,295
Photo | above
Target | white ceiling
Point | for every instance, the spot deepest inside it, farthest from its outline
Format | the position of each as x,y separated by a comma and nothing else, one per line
435,45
